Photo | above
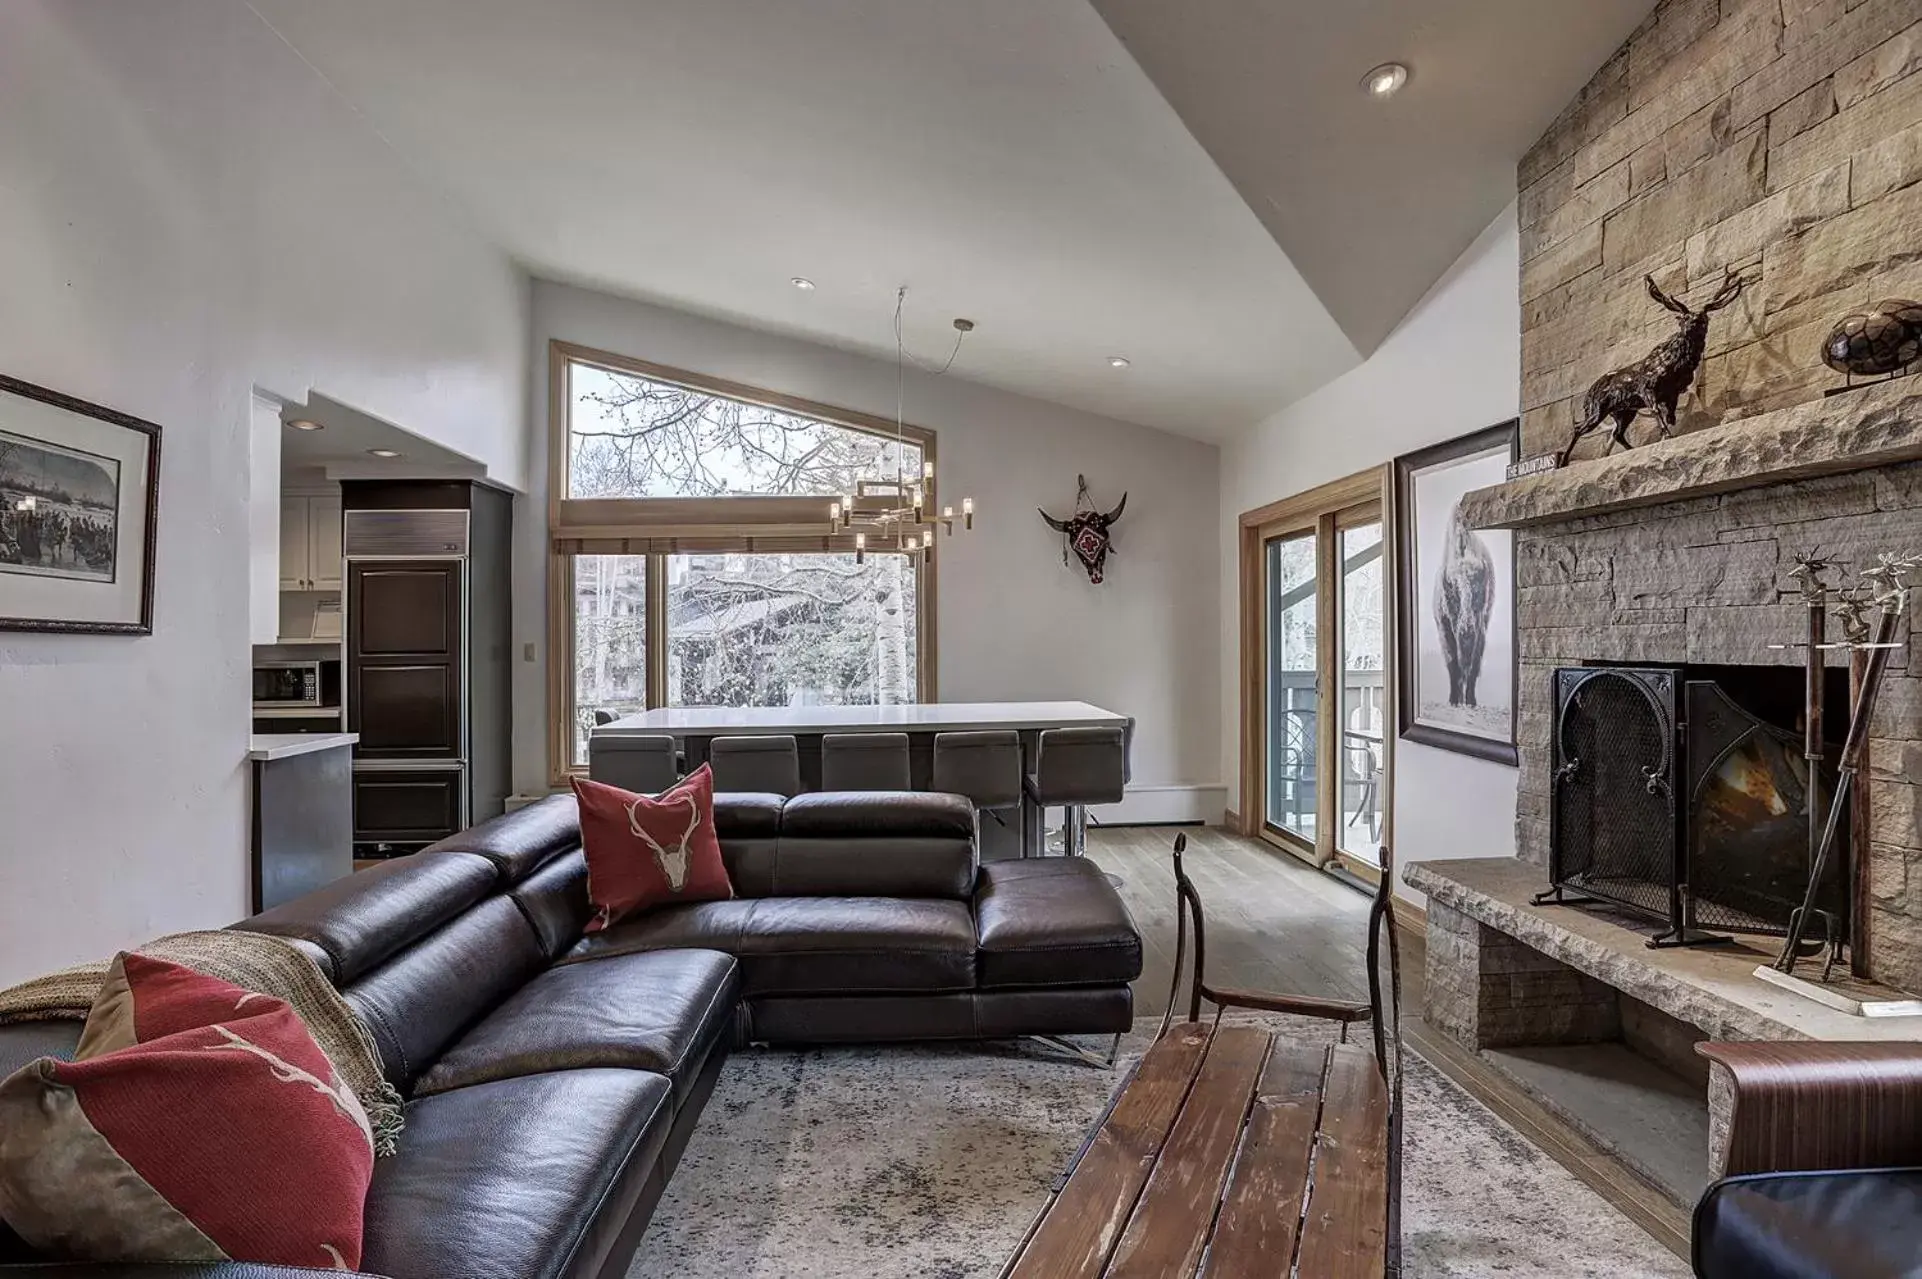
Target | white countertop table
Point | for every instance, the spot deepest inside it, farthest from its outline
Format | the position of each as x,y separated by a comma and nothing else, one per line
929,717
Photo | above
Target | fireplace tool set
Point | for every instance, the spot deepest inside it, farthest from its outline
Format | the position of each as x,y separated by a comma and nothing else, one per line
1870,613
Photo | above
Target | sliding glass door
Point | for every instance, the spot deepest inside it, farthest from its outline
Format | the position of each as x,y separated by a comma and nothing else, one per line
1324,689
1292,802
1362,746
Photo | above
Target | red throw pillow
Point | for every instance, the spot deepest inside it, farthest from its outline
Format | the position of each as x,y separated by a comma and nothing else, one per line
144,999
225,1140
647,850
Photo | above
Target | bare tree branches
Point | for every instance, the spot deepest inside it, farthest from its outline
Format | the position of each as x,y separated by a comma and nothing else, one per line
630,436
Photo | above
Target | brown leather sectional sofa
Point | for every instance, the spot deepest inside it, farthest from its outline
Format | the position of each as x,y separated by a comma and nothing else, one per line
553,1079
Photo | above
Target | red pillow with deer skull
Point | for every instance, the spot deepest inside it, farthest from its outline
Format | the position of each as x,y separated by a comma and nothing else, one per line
199,1122
645,851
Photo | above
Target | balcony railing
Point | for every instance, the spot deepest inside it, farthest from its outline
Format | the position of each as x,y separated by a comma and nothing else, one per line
1293,775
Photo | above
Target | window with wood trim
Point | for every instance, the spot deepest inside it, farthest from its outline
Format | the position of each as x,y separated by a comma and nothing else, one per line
692,559
1317,739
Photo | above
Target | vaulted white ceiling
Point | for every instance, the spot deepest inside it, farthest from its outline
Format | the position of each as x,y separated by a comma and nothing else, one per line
1008,160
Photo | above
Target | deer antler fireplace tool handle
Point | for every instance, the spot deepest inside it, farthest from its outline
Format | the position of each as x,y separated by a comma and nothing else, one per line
1893,604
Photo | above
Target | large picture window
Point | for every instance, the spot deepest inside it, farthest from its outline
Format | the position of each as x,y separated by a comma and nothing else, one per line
693,562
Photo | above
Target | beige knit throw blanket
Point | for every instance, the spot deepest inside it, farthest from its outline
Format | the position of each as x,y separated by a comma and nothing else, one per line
251,961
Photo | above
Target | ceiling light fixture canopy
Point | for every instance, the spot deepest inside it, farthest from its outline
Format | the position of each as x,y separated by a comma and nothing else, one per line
901,508
802,283
1119,361
1385,80
384,453
305,424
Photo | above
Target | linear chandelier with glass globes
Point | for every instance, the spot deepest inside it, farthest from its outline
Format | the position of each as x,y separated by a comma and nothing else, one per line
892,514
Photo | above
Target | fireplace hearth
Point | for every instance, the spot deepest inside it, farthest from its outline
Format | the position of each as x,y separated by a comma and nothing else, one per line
1680,794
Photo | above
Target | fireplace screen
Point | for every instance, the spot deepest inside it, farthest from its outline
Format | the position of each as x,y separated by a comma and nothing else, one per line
1748,828
1672,799
1614,827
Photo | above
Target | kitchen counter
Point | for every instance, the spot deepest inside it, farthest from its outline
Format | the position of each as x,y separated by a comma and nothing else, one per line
265,747
303,826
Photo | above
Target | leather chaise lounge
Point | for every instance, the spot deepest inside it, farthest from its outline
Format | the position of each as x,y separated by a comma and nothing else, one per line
554,1077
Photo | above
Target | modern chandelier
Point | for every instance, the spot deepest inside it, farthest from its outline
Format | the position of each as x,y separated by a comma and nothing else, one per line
892,514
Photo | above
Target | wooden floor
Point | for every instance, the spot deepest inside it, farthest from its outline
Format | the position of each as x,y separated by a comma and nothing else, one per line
1273,923
1277,924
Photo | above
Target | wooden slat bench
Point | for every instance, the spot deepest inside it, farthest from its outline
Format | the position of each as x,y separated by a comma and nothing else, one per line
1231,1152
1236,1150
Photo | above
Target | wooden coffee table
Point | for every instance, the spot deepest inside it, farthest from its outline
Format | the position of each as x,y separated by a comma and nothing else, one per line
1230,1152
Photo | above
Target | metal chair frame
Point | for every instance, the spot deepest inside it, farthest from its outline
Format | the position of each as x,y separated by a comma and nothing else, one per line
1382,1011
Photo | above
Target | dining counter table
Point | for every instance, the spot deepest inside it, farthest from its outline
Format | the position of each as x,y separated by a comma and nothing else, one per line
705,722
695,727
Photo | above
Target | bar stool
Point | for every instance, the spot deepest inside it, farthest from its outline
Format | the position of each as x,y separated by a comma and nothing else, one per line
770,765
864,761
983,766
644,764
1073,767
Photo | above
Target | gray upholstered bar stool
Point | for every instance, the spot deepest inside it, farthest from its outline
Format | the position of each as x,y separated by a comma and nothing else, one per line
864,761
644,765
984,766
1073,767
768,764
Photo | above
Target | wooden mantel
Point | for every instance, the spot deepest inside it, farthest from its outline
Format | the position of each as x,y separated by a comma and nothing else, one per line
1858,430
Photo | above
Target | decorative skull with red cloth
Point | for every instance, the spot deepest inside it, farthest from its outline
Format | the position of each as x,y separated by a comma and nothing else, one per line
1088,533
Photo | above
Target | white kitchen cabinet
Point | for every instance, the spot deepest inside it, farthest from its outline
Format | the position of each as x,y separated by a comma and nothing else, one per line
295,559
323,544
310,543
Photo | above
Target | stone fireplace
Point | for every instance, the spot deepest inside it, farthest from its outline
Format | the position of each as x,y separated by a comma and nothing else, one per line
1781,141
1657,557
1677,555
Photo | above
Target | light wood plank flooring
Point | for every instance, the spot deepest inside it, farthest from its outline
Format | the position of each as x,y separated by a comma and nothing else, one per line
1273,923
1277,924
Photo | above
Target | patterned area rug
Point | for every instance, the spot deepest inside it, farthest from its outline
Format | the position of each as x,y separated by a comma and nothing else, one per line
928,1162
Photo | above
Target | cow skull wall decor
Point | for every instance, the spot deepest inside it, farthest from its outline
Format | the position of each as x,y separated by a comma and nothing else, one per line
1087,534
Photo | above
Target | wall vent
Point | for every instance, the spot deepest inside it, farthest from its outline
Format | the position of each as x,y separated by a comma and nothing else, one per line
404,534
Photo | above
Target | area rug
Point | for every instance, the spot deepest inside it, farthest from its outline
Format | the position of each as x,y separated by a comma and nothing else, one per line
929,1161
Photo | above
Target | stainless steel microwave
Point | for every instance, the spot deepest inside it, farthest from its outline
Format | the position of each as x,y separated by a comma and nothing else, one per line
286,685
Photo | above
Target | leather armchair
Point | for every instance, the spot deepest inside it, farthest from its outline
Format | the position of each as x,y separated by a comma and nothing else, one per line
1823,1168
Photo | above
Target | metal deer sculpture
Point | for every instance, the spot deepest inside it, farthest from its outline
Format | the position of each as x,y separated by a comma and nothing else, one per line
1656,383
1088,533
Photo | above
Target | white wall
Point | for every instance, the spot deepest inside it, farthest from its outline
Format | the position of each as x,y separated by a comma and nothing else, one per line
1014,623
187,212
1452,367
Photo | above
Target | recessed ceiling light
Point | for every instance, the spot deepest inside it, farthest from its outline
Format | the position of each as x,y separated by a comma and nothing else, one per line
383,453
305,424
1119,361
1385,80
802,283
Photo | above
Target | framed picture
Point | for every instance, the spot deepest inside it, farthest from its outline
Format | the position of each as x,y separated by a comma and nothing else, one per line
79,502
1455,600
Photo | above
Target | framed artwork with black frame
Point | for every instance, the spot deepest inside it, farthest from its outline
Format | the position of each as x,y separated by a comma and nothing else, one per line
79,506
1455,658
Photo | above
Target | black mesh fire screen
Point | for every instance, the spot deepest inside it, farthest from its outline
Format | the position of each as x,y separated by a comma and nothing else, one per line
1683,794
1614,824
